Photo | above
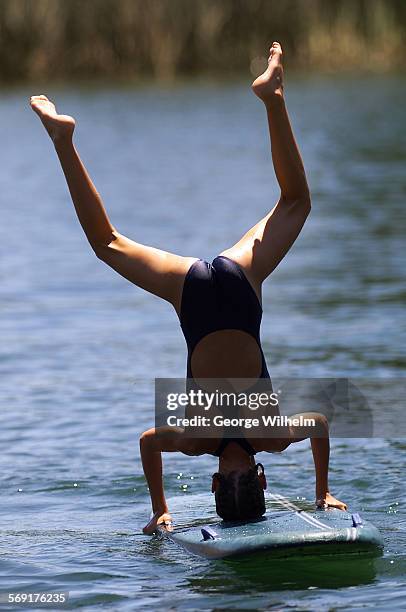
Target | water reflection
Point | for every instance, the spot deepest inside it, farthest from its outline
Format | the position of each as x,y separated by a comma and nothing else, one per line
265,573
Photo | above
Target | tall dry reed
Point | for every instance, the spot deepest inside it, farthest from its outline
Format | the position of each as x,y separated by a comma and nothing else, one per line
128,39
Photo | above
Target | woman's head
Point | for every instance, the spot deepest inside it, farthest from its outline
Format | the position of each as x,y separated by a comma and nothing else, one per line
240,494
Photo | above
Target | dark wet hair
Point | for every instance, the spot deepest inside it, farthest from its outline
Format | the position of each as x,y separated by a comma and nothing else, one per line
239,495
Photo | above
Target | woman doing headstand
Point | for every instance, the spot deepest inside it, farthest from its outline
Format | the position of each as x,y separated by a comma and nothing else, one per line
218,304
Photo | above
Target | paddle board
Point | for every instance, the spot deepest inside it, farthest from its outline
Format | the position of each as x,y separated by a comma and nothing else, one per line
284,533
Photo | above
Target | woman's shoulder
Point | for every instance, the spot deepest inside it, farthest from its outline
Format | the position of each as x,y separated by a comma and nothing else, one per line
270,445
198,446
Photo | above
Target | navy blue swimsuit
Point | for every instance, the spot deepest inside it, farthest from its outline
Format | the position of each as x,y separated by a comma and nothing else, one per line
218,296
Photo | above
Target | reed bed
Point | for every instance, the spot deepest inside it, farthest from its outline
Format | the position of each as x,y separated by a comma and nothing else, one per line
165,39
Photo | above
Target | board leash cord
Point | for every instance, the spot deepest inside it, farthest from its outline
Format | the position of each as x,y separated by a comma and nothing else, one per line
299,512
209,534
351,531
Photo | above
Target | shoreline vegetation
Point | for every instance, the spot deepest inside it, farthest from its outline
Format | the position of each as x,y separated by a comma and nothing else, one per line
62,41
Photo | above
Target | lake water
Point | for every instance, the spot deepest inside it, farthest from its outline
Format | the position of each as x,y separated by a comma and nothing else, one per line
188,169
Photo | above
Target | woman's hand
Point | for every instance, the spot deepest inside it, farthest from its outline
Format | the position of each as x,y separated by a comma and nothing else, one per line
328,501
164,519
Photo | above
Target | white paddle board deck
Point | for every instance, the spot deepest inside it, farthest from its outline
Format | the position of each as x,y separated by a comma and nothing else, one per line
282,534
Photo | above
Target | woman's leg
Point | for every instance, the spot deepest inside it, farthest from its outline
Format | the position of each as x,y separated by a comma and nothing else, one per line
156,271
262,248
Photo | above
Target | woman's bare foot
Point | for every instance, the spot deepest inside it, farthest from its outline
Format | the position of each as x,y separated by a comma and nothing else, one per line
59,127
270,84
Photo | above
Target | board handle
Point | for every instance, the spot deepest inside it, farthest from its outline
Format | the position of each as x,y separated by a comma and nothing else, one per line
356,520
209,534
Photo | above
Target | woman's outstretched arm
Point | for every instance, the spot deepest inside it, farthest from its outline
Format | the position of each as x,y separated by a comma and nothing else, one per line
320,443
262,248
151,457
154,270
